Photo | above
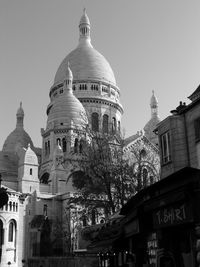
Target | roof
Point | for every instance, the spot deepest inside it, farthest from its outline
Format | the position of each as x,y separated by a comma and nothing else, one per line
195,94
182,177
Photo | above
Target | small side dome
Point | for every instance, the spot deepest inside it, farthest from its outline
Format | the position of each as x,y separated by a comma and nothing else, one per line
19,136
67,109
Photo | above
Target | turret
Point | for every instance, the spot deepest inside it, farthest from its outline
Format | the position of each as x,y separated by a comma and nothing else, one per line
154,105
20,117
84,26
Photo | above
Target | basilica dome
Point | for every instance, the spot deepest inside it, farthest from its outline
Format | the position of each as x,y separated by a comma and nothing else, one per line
86,62
18,137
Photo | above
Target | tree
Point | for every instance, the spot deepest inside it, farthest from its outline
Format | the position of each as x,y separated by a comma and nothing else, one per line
111,171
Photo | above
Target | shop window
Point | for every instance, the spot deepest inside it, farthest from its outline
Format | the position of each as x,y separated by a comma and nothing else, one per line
95,122
105,123
165,147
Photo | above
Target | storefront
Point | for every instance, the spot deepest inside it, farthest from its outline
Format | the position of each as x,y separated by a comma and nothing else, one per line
168,222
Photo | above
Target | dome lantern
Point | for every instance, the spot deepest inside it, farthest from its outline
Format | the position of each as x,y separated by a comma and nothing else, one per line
84,26
20,117
154,105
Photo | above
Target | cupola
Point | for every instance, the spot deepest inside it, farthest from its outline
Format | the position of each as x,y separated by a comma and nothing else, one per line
67,110
18,137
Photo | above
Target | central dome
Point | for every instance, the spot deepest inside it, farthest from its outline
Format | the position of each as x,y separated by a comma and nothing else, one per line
86,62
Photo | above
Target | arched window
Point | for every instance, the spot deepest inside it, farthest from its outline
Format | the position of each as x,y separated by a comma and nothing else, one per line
31,171
1,238
76,146
11,231
45,178
105,123
64,144
13,206
113,125
95,122
1,235
45,148
145,176
58,141
119,126
81,146
48,147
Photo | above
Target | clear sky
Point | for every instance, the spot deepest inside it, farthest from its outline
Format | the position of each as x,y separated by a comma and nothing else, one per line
150,45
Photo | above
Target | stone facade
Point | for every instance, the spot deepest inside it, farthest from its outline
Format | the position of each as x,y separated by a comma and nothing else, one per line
179,138
38,180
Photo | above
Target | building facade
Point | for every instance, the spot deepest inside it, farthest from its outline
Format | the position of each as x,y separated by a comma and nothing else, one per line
179,137
38,180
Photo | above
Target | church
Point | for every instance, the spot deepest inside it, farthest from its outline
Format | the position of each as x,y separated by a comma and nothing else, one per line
39,180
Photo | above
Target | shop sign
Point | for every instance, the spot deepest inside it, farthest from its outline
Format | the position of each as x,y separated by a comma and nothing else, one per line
176,214
152,246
